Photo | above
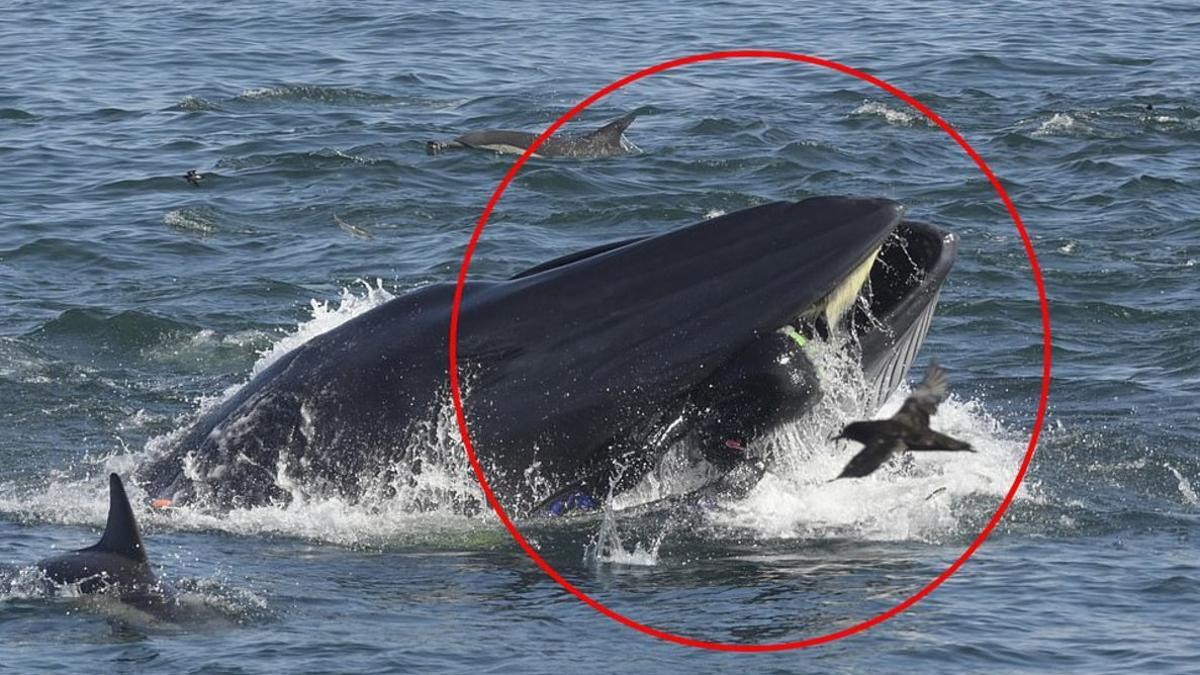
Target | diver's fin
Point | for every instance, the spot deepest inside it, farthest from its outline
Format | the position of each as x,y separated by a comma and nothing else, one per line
121,535
581,495
616,127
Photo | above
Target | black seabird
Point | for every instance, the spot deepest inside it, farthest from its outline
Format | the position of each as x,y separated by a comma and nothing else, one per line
908,429
193,177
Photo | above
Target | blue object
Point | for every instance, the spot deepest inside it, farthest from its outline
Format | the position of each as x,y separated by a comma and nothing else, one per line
576,501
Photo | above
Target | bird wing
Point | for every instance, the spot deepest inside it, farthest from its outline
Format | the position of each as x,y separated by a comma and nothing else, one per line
933,440
865,430
872,456
924,400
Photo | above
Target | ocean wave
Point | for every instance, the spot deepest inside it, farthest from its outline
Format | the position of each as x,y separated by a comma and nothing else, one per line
193,103
1121,122
1063,124
317,160
197,219
900,117
719,126
312,93
20,363
104,334
1146,183
16,114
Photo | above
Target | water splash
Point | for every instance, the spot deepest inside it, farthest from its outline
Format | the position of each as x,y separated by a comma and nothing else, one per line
608,546
925,497
1185,486
1061,124
324,316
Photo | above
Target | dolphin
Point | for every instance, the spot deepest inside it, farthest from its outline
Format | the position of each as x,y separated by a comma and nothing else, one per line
580,372
607,141
117,563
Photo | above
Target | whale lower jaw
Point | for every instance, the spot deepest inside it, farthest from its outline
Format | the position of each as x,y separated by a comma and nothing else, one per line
900,298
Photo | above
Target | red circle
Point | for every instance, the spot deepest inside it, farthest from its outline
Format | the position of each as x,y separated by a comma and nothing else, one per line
726,646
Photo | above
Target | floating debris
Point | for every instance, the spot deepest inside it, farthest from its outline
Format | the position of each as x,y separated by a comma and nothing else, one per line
353,230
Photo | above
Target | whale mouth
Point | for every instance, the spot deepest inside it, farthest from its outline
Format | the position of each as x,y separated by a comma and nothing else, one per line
827,315
895,307
906,268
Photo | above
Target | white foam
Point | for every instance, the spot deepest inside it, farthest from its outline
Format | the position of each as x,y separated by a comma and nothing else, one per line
193,103
1061,124
893,116
368,523
324,317
253,93
1185,486
191,220
28,583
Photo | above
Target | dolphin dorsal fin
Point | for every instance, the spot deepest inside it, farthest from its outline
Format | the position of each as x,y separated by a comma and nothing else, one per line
617,126
121,535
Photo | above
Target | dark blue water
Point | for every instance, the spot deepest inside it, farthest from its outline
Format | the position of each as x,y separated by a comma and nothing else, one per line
129,300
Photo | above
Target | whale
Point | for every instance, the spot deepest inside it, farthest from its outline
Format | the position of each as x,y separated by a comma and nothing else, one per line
607,141
580,372
117,564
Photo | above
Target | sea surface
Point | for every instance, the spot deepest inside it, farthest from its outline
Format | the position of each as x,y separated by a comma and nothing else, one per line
131,300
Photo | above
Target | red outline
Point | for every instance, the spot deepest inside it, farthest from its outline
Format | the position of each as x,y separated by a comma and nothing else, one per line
724,646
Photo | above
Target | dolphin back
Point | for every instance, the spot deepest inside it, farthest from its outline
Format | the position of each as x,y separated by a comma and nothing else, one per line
615,128
118,559
606,141
121,535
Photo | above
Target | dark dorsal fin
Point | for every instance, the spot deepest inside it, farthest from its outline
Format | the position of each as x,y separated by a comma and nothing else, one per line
617,126
121,535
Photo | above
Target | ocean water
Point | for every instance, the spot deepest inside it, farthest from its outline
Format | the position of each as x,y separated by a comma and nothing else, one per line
130,300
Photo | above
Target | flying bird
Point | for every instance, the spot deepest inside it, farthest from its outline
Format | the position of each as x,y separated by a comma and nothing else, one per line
908,429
